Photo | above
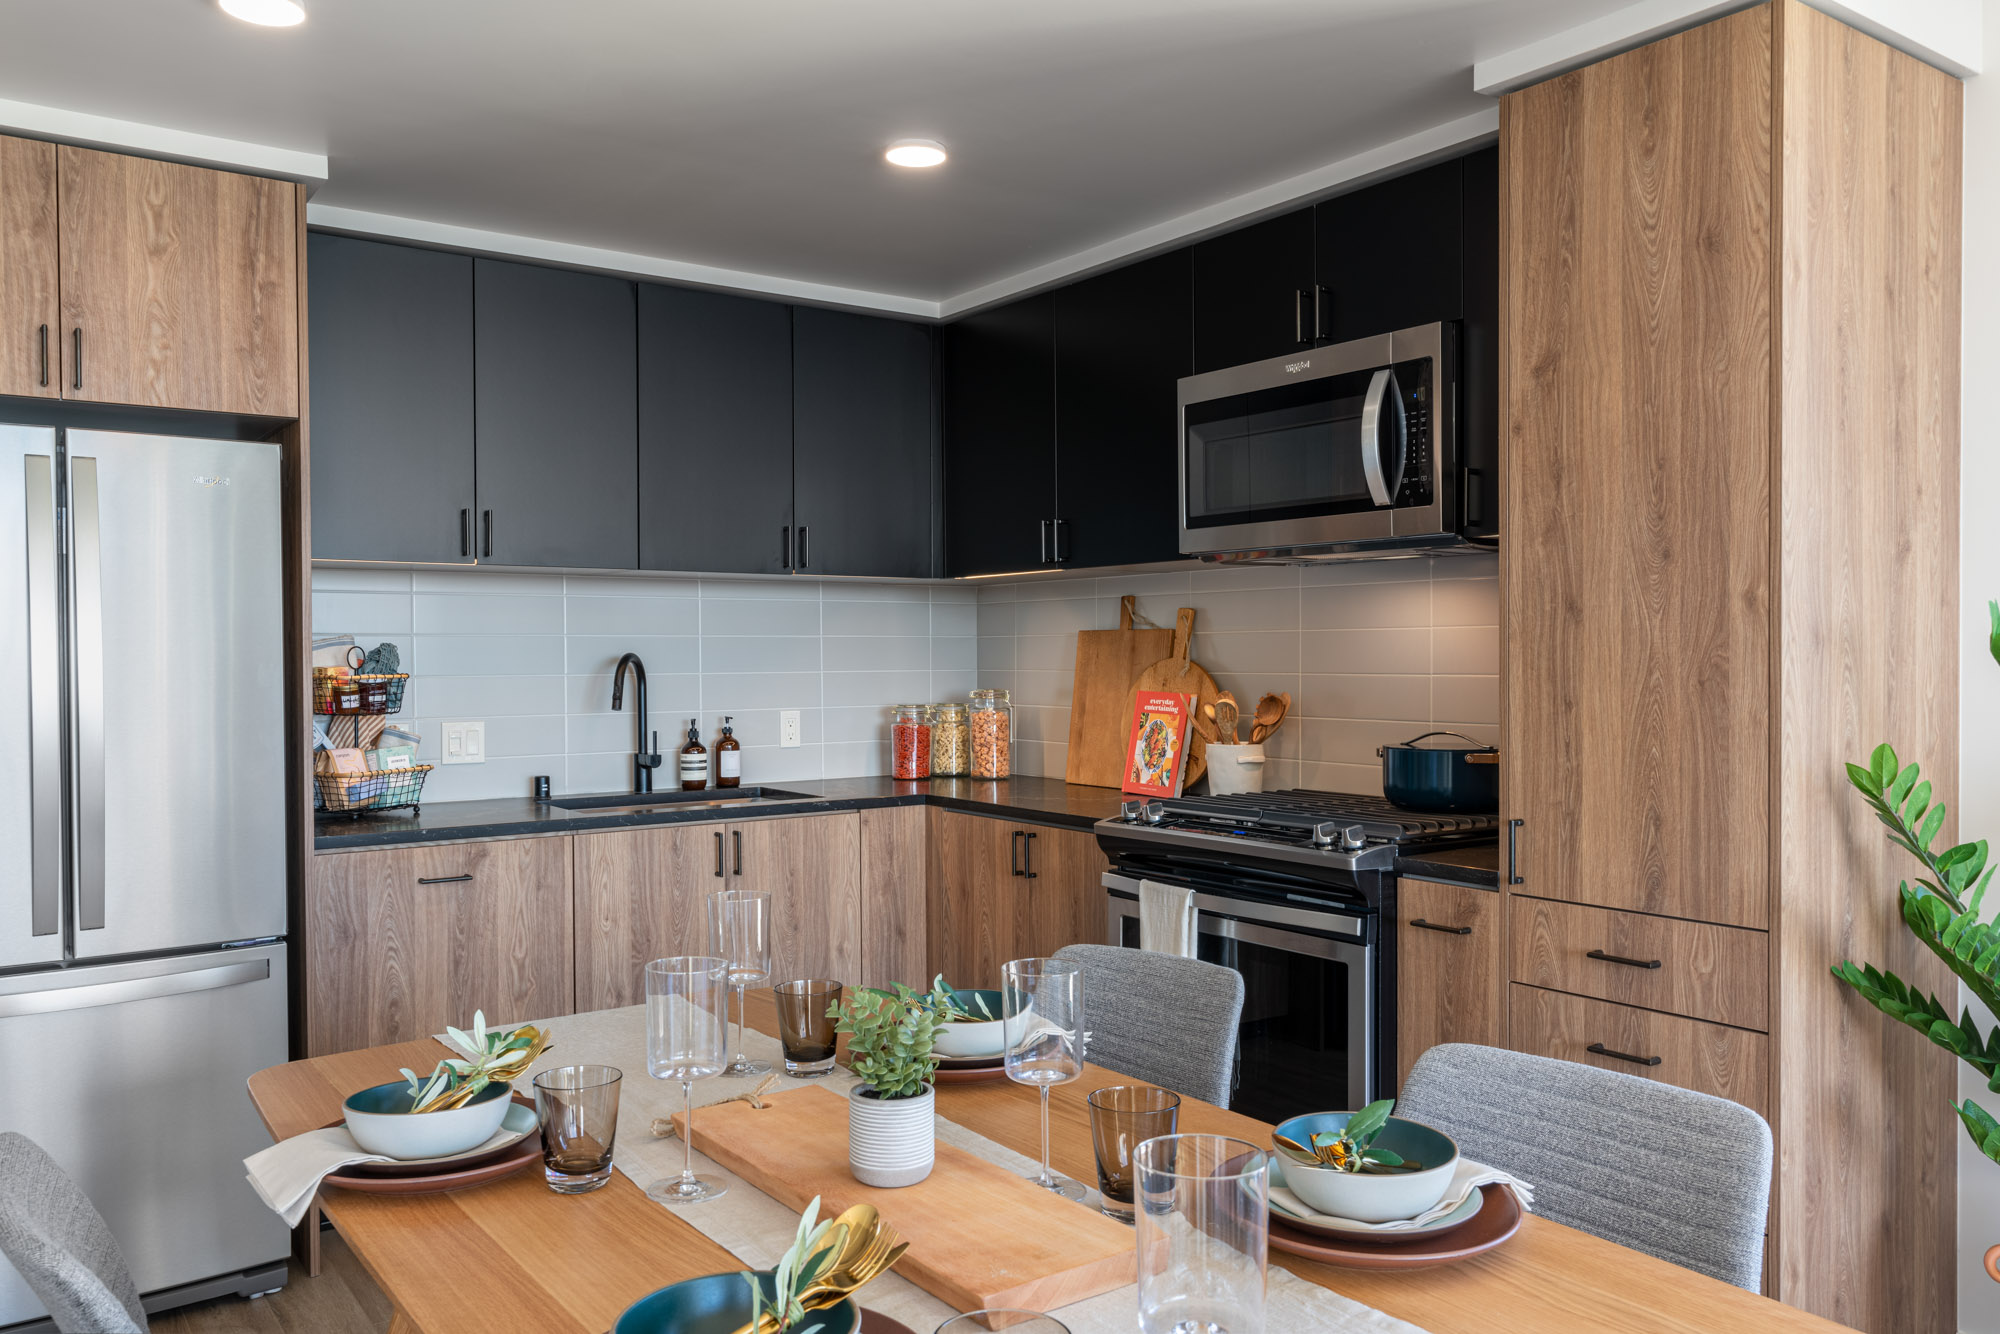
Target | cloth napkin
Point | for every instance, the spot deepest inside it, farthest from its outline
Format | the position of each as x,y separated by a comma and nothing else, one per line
1466,1178
286,1176
1166,919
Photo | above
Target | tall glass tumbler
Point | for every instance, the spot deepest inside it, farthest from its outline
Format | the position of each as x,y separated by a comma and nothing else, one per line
1122,1117
1203,1228
739,931
804,1026
687,1038
1041,1002
577,1109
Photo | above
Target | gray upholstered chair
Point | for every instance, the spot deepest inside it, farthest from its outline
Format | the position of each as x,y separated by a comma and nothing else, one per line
58,1242
1161,1018
1673,1173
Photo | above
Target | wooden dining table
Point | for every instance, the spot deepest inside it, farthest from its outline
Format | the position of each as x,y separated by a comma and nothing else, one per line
514,1255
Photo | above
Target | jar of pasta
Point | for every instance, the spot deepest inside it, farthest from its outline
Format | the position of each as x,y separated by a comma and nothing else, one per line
991,723
910,740
951,742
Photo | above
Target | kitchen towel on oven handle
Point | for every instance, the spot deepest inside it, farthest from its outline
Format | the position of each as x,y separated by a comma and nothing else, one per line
1167,919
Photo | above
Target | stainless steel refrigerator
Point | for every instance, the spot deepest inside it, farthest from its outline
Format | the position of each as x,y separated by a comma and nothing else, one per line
142,839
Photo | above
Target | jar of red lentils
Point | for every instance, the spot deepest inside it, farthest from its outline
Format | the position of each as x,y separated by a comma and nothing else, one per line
992,727
910,740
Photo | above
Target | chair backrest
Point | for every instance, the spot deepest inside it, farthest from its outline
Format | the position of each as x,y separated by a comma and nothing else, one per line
58,1242
1161,1018
1664,1170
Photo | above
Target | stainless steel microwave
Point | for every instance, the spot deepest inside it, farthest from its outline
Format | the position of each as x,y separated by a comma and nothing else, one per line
1323,453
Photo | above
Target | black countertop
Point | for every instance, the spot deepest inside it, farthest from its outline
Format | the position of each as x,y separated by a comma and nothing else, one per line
1477,865
1035,800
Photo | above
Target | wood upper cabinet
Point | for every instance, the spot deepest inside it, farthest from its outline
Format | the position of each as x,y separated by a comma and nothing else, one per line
1450,972
1636,574
30,320
179,285
403,941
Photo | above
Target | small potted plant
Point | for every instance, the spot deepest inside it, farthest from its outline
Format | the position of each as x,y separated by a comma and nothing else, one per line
892,1113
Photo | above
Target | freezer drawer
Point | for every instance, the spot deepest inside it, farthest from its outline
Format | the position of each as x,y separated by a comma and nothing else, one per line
132,1077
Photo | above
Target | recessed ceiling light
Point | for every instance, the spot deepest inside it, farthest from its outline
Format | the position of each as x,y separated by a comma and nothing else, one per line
269,13
916,153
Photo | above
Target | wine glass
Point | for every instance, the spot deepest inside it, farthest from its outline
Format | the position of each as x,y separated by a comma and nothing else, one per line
687,1038
1042,1006
739,931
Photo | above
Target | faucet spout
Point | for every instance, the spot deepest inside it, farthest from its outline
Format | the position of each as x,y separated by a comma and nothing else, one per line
644,759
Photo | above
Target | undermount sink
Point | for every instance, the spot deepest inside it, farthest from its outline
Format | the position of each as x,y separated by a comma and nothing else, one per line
621,803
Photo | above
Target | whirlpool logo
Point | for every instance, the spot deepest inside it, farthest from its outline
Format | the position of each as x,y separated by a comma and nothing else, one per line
1294,367
211,482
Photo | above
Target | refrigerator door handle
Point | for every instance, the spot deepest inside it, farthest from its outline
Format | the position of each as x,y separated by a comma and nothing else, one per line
44,702
210,978
87,603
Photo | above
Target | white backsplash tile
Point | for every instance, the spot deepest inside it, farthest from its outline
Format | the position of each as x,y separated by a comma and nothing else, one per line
460,614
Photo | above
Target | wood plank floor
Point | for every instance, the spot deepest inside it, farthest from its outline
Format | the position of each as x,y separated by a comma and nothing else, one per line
342,1300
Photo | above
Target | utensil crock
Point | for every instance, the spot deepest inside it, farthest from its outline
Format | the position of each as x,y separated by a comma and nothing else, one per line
1235,769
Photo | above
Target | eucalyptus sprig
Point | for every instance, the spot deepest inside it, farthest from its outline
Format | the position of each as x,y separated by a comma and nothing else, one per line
495,1057
889,1039
1351,1148
813,1248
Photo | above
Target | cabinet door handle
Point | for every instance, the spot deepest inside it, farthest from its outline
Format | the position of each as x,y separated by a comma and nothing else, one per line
1619,958
736,836
465,533
1028,854
45,356
1319,312
441,879
1439,926
486,522
1014,852
1056,526
1599,1049
785,540
802,546
718,852
76,360
1045,541
1514,853
1299,315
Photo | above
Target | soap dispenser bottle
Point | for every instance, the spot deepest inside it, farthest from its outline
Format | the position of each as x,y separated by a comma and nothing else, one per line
694,760
728,757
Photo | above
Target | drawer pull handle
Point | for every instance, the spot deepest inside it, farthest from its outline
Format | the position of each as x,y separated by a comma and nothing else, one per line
1599,1049
1439,926
441,879
1619,958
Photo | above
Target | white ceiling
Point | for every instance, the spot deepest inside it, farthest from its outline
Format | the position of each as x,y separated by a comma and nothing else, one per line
749,136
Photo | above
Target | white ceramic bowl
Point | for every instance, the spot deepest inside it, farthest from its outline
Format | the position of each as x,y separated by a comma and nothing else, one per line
381,1122
1371,1197
973,1041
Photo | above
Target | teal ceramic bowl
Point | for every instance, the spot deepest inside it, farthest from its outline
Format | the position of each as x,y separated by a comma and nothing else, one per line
1371,1197
718,1304
973,1041
381,1122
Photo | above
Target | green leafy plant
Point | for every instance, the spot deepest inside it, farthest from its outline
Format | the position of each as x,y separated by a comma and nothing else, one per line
1352,1147
1941,910
497,1057
813,1248
889,1039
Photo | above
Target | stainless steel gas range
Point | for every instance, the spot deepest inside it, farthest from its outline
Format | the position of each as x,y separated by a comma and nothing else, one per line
1295,890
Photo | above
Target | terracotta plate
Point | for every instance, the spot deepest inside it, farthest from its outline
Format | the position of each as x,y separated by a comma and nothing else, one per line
972,1073
1498,1219
874,1322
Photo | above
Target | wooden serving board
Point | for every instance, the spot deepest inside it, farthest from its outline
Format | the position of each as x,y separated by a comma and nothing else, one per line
1100,719
979,1235
1176,673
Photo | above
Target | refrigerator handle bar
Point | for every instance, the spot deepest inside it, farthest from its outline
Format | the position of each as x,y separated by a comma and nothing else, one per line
91,994
44,703
88,675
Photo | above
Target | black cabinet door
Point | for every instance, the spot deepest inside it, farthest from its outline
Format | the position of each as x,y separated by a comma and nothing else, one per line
1252,292
558,434
999,438
864,444
1389,256
1122,341
1479,349
715,431
390,338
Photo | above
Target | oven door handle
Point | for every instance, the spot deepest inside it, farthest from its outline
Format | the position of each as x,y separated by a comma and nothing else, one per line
1250,910
1381,414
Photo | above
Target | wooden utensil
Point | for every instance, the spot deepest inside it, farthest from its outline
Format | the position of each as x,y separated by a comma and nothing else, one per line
1271,711
1107,663
1226,718
1178,674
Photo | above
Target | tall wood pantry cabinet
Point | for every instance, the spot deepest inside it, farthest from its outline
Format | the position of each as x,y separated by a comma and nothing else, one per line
1730,272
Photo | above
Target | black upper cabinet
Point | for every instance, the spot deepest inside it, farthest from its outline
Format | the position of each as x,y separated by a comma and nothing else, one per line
390,340
864,444
999,438
1389,257
715,431
557,417
1479,348
1252,292
1122,341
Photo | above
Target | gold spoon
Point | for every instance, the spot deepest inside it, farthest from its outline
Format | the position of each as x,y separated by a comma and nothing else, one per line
1296,1149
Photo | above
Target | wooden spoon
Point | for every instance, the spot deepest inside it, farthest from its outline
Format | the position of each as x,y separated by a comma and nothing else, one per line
1271,711
1225,717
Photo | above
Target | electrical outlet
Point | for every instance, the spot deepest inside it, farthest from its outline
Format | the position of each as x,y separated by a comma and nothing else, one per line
465,743
788,727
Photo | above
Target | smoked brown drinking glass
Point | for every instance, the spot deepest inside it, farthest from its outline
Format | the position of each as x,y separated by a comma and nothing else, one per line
577,1107
805,1027
1122,1117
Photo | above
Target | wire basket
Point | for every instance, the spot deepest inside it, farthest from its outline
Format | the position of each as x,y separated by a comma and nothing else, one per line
358,694
376,790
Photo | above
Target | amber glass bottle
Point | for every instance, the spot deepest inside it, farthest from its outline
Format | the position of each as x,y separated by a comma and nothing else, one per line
728,757
694,761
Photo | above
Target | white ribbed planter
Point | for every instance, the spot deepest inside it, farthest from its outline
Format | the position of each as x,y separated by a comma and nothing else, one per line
890,1142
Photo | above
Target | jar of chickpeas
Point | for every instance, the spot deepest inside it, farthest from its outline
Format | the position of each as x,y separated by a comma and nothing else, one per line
951,742
991,723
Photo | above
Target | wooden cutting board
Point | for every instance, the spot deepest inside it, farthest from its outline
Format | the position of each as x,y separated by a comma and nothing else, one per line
1100,716
1176,673
979,1235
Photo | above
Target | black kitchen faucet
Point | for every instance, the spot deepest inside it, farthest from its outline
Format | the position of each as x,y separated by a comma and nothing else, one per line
643,761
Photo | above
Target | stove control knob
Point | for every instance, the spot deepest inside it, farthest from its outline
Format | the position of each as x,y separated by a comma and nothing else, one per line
1325,835
1353,839
1154,812
1129,811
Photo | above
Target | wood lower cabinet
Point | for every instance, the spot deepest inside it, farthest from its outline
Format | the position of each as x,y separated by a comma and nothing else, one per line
894,910
179,286
30,321
1719,973
1002,890
810,865
1060,898
1450,980
403,941
1731,1063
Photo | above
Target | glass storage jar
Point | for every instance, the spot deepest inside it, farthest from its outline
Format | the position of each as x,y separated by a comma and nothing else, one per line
951,743
910,741
992,728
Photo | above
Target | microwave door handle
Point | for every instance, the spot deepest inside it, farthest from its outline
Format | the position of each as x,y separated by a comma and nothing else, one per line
1374,420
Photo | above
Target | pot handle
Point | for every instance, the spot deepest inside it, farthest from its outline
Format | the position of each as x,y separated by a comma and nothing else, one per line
1483,757
1476,745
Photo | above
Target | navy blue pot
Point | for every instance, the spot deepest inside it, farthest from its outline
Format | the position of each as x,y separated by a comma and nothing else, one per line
1442,780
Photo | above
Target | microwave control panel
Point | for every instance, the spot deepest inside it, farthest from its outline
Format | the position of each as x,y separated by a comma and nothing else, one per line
1418,468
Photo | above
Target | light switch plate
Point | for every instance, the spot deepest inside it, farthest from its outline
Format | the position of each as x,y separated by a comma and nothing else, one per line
465,743
788,727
